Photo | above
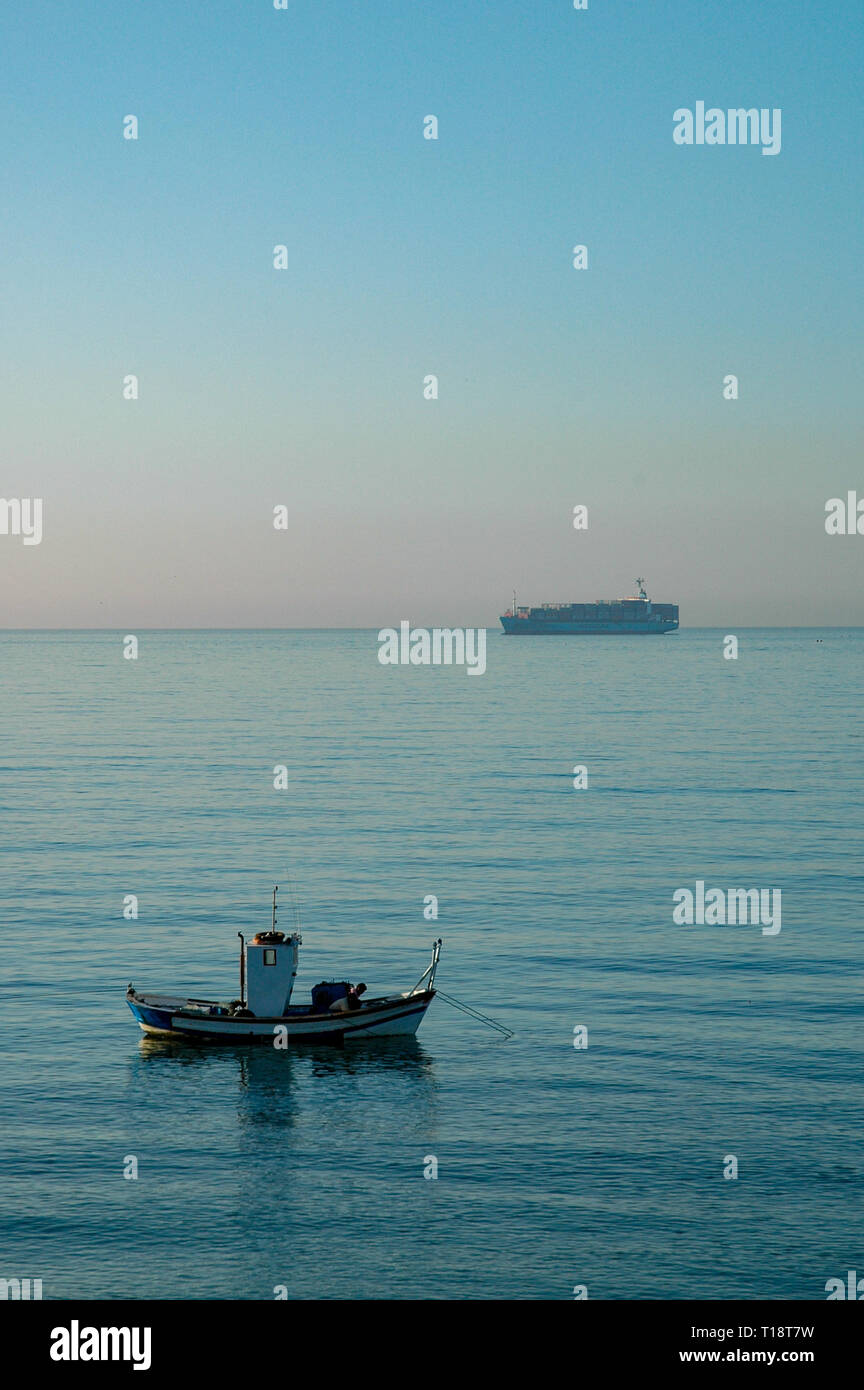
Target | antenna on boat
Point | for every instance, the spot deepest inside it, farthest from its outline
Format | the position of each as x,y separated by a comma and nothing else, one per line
514,603
641,583
275,891
295,910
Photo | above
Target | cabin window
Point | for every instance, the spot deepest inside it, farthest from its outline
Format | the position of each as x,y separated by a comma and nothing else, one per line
269,957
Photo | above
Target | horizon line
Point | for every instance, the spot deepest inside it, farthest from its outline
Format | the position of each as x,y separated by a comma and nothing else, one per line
749,627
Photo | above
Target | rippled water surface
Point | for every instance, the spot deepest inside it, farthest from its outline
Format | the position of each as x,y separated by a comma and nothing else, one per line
557,1166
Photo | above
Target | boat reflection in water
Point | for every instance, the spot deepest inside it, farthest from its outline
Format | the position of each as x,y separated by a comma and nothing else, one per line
270,1083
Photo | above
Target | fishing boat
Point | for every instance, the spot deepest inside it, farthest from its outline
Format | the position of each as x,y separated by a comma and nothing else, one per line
338,1010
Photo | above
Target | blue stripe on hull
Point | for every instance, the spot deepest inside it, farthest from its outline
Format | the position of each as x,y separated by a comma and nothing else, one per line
155,1018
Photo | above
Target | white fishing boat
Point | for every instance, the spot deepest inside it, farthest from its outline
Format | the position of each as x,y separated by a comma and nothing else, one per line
268,967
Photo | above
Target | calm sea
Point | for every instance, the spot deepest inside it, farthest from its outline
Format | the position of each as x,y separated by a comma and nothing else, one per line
557,1166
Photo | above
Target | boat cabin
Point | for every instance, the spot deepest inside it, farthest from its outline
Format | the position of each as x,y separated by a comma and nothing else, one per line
270,960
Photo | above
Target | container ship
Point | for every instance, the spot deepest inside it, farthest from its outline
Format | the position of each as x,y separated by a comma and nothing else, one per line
637,616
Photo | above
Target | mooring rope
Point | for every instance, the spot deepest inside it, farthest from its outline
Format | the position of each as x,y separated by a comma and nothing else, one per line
474,1013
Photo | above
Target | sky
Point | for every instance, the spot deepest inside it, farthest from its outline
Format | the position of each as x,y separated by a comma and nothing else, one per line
406,257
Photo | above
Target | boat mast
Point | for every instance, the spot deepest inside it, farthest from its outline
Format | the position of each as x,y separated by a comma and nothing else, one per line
641,583
275,891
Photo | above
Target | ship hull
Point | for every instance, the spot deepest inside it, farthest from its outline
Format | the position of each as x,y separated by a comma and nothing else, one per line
548,627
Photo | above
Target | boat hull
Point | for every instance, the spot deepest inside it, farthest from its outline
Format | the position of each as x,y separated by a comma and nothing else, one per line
548,627
398,1015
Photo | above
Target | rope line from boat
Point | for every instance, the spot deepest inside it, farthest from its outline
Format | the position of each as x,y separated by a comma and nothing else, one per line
475,1013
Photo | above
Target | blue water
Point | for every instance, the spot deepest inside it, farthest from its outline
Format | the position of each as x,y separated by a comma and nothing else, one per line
556,1166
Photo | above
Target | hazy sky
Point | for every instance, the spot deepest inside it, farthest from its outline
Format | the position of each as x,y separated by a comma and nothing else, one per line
407,257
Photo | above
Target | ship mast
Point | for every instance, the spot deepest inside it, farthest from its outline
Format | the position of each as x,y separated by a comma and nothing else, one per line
641,583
